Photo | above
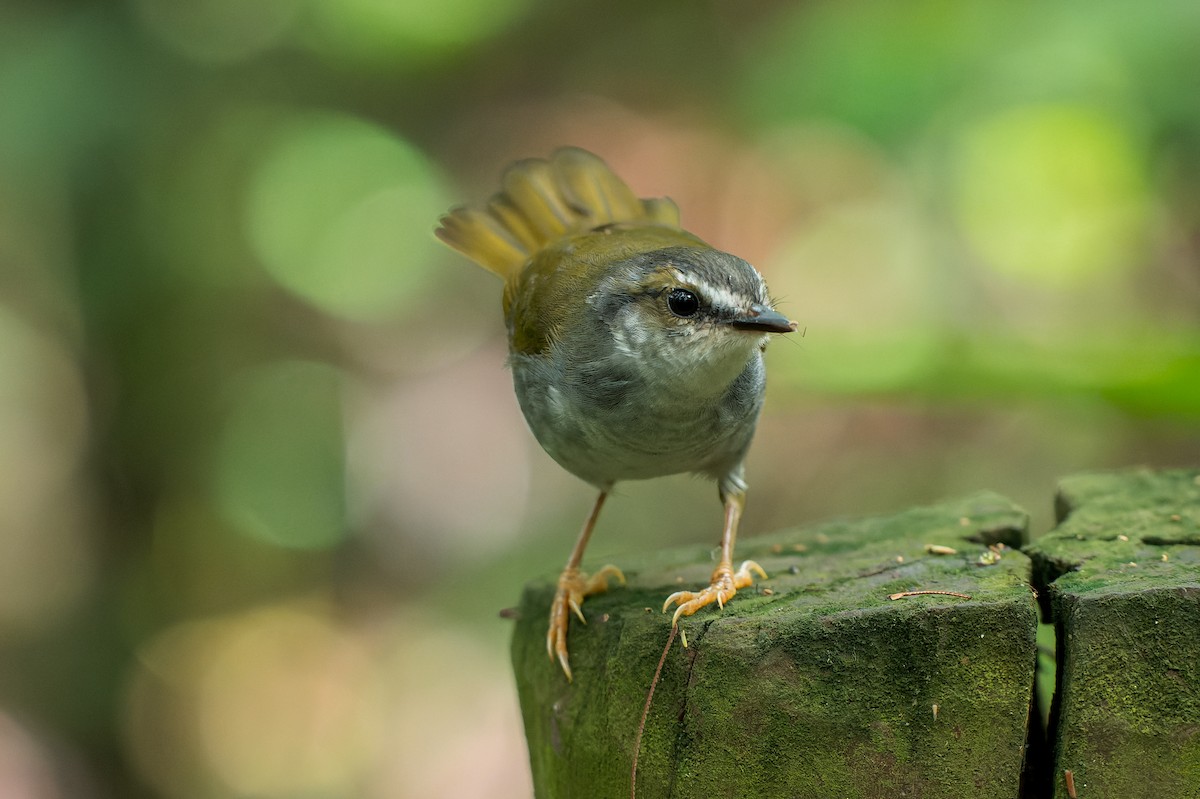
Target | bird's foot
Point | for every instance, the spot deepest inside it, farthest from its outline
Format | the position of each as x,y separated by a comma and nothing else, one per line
573,587
725,583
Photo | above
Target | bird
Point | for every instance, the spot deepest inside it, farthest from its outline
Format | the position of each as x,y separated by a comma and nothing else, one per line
636,349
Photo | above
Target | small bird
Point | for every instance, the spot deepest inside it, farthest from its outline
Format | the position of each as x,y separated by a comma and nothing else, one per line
635,348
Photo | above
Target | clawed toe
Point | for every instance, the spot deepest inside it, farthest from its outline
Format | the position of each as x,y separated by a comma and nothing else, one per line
573,588
724,585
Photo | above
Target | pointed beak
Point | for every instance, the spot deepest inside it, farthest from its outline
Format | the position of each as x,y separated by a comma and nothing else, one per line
762,319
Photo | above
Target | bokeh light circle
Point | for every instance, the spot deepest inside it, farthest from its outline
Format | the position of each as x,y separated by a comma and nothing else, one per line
404,30
217,31
279,473
47,560
340,212
1055,194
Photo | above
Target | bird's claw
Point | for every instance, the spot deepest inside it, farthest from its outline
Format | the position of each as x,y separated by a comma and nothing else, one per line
573,587
725,583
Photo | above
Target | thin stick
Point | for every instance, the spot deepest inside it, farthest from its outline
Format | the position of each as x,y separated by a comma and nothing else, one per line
637,742
903,594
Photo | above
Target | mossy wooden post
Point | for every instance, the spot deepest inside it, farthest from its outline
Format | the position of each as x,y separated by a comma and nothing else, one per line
1120,576
811,684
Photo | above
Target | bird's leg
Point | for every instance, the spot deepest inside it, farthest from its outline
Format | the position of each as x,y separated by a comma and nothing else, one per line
573,586
725,581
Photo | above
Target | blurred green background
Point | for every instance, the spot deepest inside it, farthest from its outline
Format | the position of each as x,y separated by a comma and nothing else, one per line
263,483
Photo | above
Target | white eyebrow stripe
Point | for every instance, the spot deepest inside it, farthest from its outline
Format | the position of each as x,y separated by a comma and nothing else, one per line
721,297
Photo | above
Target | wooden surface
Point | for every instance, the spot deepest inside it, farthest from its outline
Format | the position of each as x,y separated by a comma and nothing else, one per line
813,683
1120,577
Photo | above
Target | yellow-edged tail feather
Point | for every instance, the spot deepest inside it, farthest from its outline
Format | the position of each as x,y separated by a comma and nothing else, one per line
543,201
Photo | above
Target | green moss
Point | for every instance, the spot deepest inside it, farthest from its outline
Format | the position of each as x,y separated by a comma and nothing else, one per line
812,683
1126,604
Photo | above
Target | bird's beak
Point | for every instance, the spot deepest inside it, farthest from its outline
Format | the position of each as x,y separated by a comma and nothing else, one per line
763,319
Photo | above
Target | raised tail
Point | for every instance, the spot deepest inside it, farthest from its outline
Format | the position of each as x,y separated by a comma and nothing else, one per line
542,201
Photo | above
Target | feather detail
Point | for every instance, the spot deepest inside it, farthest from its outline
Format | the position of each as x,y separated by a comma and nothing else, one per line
542,202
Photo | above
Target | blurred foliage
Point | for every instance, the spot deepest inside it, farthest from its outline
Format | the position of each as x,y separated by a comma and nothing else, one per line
263,483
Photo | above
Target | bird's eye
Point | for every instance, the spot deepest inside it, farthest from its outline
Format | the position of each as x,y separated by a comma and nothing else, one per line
683,302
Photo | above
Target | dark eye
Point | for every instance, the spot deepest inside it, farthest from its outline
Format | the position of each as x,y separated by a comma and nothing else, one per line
683,302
